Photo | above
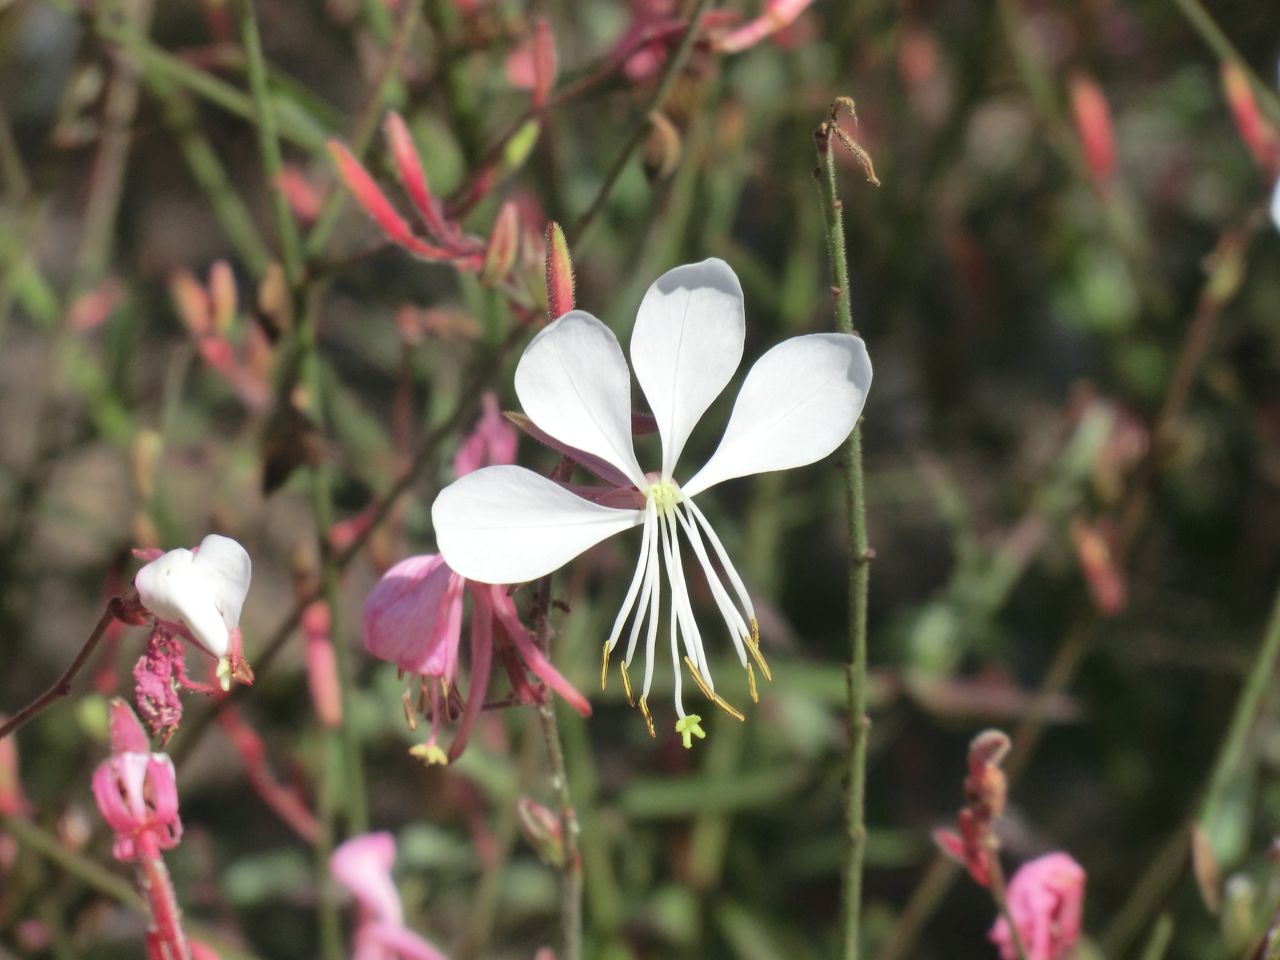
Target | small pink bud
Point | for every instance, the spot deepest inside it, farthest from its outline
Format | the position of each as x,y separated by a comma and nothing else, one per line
375,203
322,671
541,828
191,302
777,14
222,296
533,64
303,198
12,801
559,272
492,441
1096,555
500,255
413,177
1093,125
1258,135
94,308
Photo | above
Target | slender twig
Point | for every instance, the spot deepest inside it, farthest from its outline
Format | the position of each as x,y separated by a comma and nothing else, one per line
62,686
675,63
859,565
571,868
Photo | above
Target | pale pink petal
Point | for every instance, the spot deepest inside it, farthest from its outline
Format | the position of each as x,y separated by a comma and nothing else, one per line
363,865
413,616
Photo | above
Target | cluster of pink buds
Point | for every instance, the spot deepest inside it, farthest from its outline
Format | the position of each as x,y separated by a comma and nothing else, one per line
974,843
137,793
441,239
209,314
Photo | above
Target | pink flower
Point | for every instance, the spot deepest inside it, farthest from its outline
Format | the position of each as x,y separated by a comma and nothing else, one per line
1046,900
137,792
363,865
493,440
777,14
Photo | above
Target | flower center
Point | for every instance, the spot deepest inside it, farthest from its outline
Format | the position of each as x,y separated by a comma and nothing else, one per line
664,495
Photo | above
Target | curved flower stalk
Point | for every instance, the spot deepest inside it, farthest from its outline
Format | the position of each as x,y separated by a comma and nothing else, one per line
363,865
1046,902
199,594
506,524
413,618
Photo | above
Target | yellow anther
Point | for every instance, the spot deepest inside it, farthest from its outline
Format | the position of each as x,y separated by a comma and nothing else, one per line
710,694
224,674
648,717
689,727
604,667
409,716
751,684
753,646
429,753
626,683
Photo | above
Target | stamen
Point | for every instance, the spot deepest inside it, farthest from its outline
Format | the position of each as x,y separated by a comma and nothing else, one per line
725,562
753,644
648,717
604,667
655,597
751,684
630,598
409,716
681,611
626,684
710,694
732,619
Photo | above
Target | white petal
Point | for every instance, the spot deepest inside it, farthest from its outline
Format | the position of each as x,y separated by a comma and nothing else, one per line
174,589
506,524
573,382
686,345
227,569
1275,205
798,403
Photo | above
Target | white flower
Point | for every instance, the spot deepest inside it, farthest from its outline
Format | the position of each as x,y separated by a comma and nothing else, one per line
202,590
506,524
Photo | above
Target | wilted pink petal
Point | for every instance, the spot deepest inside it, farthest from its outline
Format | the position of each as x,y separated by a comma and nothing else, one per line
1046,901
504,609
413,617
1093,125
137,795
156,677
492,441
777,14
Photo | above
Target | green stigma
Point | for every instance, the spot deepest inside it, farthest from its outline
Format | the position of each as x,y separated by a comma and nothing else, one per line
665,495
690,727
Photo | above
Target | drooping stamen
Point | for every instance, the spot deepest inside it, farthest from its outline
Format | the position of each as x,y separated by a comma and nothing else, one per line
723,556
655,598
648,717
753,644
626,685
681,610
710,694
733,620
650,561
410,717
632,591
751,685
674,617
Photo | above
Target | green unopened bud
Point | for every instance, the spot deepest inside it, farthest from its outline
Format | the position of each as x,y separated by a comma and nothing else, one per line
518,148
504,241
541,828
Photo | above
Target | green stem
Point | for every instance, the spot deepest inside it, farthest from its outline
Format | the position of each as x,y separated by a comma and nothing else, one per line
269,143
675,63
859,577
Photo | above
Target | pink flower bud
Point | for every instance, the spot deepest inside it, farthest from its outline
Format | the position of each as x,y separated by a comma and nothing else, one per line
322,671
1093,125
777,14
413,177
1095,552
541,828
222,295
12,801
137,794
1258,135
492,441
559,272
92,309
534,63
1046,901
375,203
500,255
191,302
303,198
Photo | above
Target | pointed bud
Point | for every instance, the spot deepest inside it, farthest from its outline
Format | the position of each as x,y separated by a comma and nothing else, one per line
1093,125
1096,555
191,303
12,802
322,671
412,175
375,203
545,62
222,296
303,198
500,256
1259,136
518,148
541,828
559,272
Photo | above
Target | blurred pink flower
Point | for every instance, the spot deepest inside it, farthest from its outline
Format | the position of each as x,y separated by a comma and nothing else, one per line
492,440
363,865
777,14
533,64
1046,900
137,792
1094,128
